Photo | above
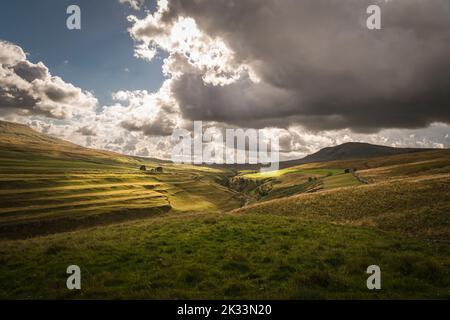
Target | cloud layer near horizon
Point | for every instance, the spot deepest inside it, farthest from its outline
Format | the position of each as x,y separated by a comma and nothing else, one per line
308,71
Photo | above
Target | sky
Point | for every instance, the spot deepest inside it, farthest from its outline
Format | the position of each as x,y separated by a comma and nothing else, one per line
308,71
99,57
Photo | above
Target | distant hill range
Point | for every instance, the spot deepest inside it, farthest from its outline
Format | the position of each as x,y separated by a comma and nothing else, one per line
346,151
18,137
349,151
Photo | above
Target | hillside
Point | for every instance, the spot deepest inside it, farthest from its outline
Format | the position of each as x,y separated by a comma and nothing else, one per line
20,140
49,185
351,150
259,187
307,231
354,150
407,193
417,206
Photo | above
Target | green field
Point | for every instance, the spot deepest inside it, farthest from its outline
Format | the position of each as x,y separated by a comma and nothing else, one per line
192,232
264,186
225,256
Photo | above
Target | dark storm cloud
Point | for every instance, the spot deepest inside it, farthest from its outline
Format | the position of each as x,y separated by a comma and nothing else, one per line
320,66
244,98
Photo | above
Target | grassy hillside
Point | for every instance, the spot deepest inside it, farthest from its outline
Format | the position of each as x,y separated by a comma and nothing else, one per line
408,194
18,142
308,231
416,206
49,185
287,182
394,167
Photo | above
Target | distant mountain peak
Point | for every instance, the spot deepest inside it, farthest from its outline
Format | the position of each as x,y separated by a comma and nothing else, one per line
354,150
350,151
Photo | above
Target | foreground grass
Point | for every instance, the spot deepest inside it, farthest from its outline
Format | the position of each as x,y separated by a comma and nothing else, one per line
224,256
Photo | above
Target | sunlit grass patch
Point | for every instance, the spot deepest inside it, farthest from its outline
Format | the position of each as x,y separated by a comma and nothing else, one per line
338,181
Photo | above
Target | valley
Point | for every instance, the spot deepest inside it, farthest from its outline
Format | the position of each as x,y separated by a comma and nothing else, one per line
309,230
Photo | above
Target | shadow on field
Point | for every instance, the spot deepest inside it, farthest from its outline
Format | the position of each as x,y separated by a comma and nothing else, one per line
50,226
